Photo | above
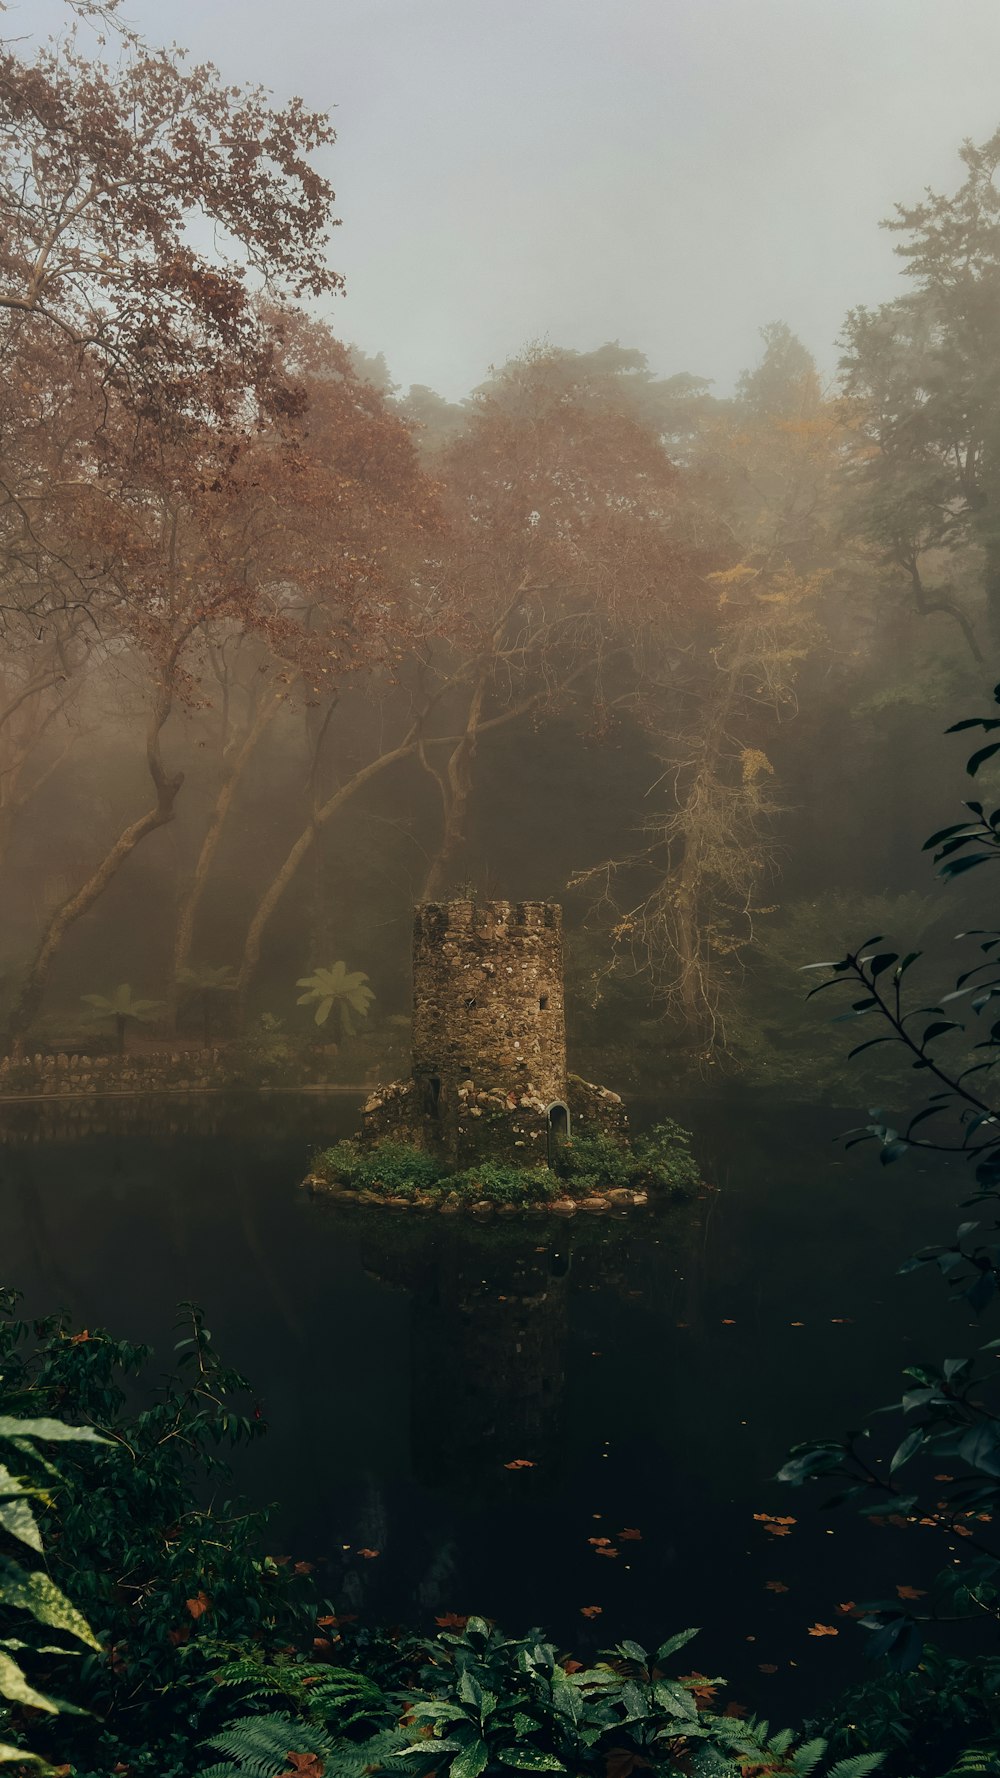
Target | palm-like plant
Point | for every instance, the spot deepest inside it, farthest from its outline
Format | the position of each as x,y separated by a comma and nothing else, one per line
123,1009
206,982
340,988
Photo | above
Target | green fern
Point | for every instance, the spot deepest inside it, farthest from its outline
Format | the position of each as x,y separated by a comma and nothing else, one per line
857,1767
259,1746
972,1762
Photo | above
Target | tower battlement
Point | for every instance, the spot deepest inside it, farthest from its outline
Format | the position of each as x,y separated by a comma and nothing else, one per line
432,919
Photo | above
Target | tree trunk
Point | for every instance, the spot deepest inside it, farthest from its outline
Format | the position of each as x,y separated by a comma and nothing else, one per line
191,901
167,788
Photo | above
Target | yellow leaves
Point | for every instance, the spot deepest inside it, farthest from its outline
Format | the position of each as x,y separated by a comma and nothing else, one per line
753,763
733,576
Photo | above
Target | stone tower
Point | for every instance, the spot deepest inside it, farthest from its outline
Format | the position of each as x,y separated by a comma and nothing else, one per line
489,1040
488,997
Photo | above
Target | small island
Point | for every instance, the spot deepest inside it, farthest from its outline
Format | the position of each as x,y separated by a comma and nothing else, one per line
489,1117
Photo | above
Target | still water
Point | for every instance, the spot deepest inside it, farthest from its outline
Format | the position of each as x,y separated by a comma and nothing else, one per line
652,1371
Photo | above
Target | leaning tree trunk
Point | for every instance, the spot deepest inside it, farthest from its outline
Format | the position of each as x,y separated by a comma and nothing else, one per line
167,787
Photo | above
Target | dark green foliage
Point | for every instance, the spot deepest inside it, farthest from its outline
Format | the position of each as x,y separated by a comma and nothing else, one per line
164,1580
472,1701
927,1719
395,1168
945,1469
496,1182
660,1160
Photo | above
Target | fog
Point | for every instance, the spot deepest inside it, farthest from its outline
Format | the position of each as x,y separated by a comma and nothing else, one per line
671,173
344,572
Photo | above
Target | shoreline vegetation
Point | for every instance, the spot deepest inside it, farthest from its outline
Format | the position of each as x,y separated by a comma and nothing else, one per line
589,1173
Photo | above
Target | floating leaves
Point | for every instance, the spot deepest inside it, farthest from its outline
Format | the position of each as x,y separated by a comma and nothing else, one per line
823,1630
775,1586
369,1555
591,1610
911,1592
519,1463
778,1525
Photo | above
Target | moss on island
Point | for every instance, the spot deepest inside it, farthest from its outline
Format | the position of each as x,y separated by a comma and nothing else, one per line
588,1172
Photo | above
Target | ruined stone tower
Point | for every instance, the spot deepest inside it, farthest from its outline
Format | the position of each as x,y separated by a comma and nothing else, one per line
489,1039
488,996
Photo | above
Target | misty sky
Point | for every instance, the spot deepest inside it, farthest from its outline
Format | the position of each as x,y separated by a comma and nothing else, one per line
669,173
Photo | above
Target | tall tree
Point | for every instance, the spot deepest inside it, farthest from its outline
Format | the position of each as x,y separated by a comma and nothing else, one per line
923,376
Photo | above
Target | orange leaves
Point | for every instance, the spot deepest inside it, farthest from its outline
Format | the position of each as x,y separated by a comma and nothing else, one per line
369,1555
775,1586
727,1321
303,1765
848,1609
198,1605
599,1542
520,1463
630,1535
606,1549
591,1610
766,1667
701,1688
823,1630
777,1526
451,1620
911,1592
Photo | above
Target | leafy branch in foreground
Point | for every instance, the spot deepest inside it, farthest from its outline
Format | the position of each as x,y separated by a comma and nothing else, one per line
27,1476
951,1411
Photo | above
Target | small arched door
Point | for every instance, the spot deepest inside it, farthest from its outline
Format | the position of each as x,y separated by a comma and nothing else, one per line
557,1116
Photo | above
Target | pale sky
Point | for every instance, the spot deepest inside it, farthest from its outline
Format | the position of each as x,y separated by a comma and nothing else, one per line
669,173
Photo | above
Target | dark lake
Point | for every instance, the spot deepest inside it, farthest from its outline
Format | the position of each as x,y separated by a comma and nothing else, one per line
653,1371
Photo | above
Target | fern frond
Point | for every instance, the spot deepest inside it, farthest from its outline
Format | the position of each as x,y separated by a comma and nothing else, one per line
858,1767
806,1758
352,1759
260,1745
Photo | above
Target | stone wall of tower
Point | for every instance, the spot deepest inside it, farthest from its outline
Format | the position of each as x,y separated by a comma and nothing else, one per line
488,996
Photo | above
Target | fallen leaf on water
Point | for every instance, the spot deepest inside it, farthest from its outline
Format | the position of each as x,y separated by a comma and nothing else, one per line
605,1552
727,1321
823,1630
944,1478
630,1535
600,1542
519,1463
848,1608
778,1526
369,1555
591,1610
775,1586
912,1592
451,1620
199,1604
766,1667
796,1324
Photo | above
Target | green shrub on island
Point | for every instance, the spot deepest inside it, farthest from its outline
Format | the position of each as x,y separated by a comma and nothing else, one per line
582,1166
658,1160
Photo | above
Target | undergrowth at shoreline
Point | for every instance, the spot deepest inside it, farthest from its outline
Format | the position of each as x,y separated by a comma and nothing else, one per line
658,1161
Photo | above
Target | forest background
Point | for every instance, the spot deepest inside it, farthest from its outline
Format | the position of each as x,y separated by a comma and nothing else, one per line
286,648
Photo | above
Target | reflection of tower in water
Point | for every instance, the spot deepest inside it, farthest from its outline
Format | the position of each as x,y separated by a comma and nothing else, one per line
487,1352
